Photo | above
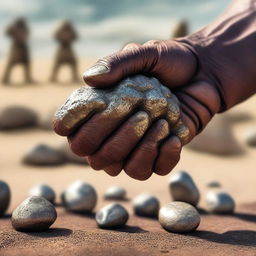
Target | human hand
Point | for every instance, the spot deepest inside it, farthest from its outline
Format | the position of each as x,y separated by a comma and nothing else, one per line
207,73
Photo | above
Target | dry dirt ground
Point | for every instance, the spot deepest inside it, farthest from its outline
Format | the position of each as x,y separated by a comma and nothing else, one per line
78,235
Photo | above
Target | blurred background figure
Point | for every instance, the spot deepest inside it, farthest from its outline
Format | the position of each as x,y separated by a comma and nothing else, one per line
18,32
181,29
65,35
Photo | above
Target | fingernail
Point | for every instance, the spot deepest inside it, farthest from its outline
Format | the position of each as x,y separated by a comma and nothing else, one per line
96,70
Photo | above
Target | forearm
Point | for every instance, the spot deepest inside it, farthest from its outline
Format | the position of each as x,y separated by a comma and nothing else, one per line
225,50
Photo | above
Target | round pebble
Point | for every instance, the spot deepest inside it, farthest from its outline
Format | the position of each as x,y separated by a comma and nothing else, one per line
115,193
179,217
183,188
213,184
111,216
219,202
43,190
79,197
35,214
5,197
43,155
14,117
146,205
250,138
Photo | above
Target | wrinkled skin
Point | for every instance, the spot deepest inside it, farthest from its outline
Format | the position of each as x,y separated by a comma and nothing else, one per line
209,72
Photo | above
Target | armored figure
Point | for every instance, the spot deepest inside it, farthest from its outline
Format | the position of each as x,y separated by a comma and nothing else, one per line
65,36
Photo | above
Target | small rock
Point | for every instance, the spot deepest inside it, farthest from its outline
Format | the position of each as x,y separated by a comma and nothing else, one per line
183,188
35,214
217,138
70,156
43,190
43,155
79,197
146,205
179,217
5,197
115,193
213,184
111,216
250,138
219,202
14,117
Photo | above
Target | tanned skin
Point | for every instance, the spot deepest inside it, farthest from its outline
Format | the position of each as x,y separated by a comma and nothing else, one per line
209,71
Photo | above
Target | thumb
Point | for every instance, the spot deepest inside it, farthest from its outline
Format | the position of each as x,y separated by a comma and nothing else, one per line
169,61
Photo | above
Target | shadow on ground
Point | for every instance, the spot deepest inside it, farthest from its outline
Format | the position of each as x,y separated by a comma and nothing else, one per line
53,232
235,237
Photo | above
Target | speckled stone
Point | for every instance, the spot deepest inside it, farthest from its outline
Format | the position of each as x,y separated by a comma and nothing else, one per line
138,92
35,214
43,155
219,202
183,188
115,193
111,216
146,205
79,197
15,117
5,197
179,217
43,190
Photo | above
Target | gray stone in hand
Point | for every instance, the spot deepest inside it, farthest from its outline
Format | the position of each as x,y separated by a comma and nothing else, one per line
5,197
35,214
219,202
115,193
134,93
79,197
43,190
146,205
43,155
183,188
179,217
112,216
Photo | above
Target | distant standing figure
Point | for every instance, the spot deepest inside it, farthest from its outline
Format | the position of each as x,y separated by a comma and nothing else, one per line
65,36
19,53
181,29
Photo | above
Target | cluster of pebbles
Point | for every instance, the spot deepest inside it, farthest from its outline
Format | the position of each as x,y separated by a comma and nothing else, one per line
37,213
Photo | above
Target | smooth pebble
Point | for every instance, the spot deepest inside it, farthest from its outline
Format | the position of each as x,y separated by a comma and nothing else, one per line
43,190
111,216
15,117
35,214
179,217
250,138
43,155
115,193
219,202
5,197
146,205
79,197
183,188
